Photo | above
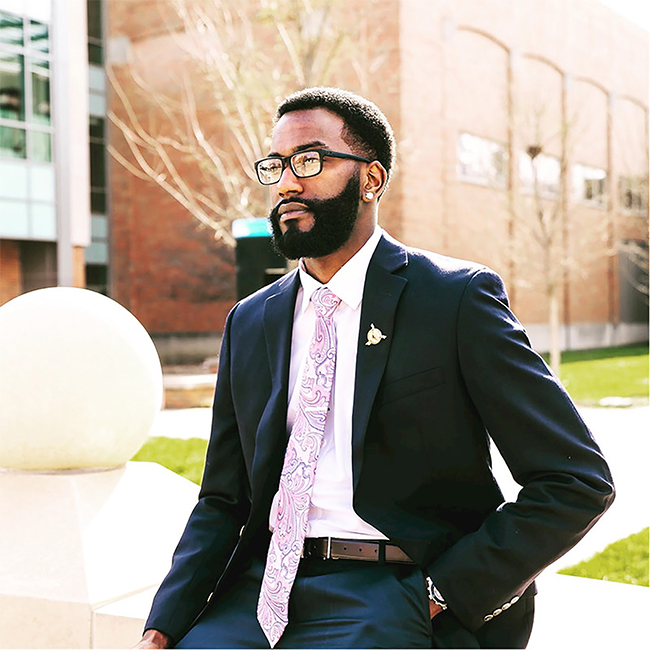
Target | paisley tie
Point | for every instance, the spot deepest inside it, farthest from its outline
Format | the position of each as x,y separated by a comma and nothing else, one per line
299,469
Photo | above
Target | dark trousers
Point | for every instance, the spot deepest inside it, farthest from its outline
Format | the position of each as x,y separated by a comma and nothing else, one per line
350,604
334,604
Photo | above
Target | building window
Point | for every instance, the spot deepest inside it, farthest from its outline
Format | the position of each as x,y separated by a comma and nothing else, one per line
546,168
97,165
13,142
589,185
95,46
11,29
633,194
12,87
97,252
482,161
25,123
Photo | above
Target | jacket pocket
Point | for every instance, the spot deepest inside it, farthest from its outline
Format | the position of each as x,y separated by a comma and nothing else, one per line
412,384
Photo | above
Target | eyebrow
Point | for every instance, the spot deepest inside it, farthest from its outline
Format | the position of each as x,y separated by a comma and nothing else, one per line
300,147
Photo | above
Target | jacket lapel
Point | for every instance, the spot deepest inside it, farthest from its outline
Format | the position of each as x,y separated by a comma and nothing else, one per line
381,295
271,430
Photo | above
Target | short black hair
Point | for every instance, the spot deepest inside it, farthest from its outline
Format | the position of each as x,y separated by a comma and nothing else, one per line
367,131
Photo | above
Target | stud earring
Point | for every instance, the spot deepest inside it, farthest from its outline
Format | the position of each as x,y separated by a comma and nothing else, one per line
370,196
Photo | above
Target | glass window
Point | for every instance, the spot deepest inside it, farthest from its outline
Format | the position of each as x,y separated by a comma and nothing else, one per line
41,146
14,220
97,165
97,253
40,92
96,128
11,29
13,180
94,19
95,54
98,200
97,278
482,161
12,142
97,103
43,221
633,194
99,227
547,169
39,37
589,184
96,79
42,182
12,87
95,50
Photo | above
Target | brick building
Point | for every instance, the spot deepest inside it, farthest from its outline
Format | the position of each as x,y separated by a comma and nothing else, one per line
503,111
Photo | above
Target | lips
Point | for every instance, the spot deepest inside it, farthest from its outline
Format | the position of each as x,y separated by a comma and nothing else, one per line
292,210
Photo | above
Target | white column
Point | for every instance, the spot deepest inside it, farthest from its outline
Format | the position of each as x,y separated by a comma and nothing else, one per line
70,119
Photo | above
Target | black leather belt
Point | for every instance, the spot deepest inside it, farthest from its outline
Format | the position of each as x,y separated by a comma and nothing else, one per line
330,548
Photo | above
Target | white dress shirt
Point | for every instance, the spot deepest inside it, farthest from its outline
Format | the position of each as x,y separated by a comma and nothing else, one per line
331,513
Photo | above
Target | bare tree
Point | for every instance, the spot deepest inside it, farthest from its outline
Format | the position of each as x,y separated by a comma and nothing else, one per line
542,214
239,59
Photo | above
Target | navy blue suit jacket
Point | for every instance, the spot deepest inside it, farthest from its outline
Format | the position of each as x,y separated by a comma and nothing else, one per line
455,369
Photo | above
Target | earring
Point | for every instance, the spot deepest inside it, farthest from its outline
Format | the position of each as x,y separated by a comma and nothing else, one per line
370,196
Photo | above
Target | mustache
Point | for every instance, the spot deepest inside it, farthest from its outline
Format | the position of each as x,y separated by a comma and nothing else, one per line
310,204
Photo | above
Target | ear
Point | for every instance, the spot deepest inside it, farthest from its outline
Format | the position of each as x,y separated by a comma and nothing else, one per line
373,182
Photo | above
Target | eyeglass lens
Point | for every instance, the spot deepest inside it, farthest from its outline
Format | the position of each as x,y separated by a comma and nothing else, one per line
303,164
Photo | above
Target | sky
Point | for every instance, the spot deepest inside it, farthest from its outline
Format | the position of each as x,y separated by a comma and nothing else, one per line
637,11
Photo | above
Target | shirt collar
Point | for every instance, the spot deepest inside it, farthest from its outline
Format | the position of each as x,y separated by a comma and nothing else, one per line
348,282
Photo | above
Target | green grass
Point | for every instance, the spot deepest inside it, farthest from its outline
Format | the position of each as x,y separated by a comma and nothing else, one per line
591,375
623,561
185,457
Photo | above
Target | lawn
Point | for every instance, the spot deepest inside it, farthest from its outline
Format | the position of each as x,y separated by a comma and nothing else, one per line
623,561
185,457
591,375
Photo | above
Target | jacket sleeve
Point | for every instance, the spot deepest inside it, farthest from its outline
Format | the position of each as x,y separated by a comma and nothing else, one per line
566,484
213,527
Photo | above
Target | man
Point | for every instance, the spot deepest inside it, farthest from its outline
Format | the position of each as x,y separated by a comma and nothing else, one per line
354,405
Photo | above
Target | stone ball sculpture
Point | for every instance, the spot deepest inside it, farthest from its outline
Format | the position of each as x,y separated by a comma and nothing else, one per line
80,381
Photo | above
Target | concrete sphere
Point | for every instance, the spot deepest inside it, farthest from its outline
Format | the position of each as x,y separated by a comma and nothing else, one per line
80,381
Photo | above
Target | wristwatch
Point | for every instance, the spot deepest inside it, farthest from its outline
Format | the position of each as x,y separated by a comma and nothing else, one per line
434,595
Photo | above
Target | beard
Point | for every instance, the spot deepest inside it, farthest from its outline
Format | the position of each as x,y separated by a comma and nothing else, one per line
334,221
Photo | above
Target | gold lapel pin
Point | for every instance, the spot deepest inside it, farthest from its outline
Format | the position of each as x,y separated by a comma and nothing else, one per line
374,335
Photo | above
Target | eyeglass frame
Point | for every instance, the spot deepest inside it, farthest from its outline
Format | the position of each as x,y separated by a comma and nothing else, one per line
323,153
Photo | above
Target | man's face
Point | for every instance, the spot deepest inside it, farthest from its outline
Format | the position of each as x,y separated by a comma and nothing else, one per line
313,217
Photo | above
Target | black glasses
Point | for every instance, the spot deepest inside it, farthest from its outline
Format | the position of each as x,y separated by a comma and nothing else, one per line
304,164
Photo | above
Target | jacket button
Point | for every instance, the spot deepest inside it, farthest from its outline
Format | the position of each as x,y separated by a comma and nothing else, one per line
487,618
514,600
497,611
506,606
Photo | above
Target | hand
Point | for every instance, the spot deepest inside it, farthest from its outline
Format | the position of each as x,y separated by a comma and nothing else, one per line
434,609
154,639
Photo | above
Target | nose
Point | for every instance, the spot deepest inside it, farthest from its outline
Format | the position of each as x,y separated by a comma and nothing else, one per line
289,184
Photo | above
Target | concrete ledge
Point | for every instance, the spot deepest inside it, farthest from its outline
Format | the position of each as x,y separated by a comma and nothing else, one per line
120,624
583,613
189,391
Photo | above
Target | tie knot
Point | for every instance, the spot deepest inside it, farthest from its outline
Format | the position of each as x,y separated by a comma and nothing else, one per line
325,302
